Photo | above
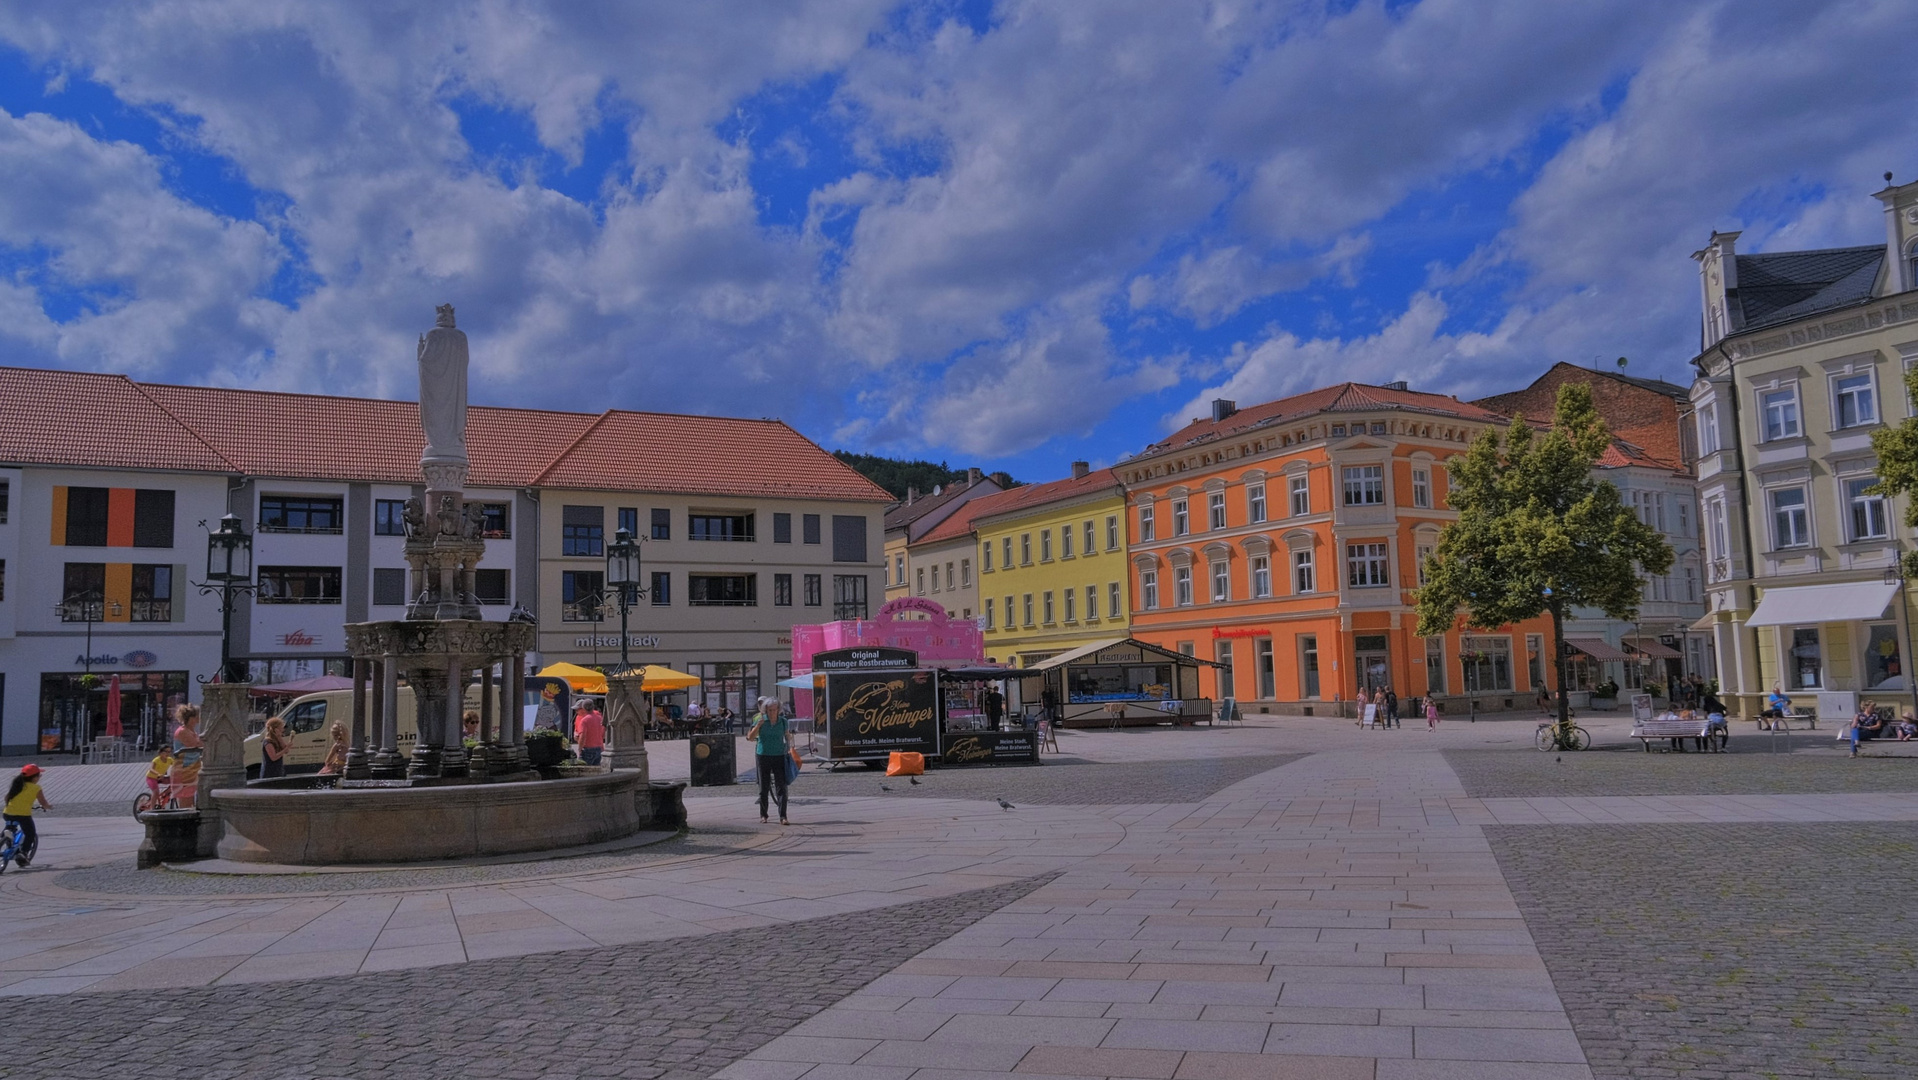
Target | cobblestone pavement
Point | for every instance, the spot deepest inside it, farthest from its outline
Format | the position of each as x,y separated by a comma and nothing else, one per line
1495,773
1061,781
1767,951
685,1009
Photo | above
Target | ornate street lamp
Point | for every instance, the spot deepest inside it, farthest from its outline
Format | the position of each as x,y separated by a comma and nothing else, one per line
229,570
622,573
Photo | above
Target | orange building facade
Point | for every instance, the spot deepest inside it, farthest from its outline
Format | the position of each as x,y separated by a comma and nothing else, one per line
1284,542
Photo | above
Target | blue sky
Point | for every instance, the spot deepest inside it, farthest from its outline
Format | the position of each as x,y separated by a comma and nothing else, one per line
1003,234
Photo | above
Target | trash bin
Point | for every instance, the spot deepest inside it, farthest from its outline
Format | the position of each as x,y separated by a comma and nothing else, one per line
712,758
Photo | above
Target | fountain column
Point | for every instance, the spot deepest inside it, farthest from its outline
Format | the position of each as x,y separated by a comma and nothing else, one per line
387,763
356,764
482,763
453,759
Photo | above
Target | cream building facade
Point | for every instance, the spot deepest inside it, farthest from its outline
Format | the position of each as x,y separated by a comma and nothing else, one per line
1802,358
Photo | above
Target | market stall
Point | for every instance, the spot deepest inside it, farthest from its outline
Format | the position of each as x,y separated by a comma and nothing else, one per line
1123,682
871,702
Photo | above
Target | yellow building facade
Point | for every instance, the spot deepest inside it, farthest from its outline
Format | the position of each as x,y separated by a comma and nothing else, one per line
1052,566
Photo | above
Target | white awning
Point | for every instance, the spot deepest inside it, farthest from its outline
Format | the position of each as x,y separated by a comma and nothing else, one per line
1809,605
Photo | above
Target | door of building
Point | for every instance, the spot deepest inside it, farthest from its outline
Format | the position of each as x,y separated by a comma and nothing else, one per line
73,708
1373,661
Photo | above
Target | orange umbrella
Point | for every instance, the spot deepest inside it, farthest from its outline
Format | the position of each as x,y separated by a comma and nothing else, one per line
113,708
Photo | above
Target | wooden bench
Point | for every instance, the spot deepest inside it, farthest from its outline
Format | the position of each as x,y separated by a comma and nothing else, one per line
1674,729
1783,723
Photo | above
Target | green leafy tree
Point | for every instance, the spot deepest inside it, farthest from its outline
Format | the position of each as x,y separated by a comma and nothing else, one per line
1538,534
1897,450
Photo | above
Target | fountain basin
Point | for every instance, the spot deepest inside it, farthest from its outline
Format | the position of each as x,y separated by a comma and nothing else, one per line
386,825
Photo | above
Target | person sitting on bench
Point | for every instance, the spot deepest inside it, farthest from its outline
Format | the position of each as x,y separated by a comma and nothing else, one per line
1776,704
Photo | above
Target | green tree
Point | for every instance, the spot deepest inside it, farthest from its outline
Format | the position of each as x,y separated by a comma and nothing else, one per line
1537,533
1897,450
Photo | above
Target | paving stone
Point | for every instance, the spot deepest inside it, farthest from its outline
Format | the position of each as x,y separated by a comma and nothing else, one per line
1748,770
687,1009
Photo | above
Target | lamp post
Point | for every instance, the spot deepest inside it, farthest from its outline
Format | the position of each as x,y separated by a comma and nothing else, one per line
91,607
229,570
1895,573
622,573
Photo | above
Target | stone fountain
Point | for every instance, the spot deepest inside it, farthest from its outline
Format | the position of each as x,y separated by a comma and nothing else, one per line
442,800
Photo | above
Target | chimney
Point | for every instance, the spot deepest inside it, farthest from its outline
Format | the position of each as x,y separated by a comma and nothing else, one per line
1397,385
1221,408
1003,479
912,493
972,476
1080,469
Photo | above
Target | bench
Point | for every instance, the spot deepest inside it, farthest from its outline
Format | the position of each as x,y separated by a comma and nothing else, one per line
1783,723
1674,729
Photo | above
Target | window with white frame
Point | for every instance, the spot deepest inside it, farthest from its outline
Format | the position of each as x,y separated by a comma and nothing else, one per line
1261,575
1422,488
1028,608
1182,586
1691,584
1366,566
1215,510
1255,502
1089,534
990,604
1869,520
1364,485
1181,517
1148,589
1092,603
1221,582
1435,665
1717,539
1025,549
1045,546
1048,608
1853,402
1072,606
1005,557
1684,508
965,573
1010,623
1301,496
899,569
1790,518
1708,427
1305,576
1779,412
1424,553
1112,534
1065,541
1650,507
921,587
1146,522
1114,609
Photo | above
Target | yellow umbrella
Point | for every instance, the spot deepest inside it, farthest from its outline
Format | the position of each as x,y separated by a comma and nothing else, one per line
659,677
585,680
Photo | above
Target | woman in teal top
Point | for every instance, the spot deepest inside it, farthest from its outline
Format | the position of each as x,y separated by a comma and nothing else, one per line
768,732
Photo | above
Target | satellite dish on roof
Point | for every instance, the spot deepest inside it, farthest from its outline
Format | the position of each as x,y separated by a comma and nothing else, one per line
1622,362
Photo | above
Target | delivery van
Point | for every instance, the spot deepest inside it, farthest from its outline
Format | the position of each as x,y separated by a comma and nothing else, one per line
310,718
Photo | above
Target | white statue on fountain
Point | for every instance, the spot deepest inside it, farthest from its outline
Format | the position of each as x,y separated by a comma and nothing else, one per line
443,360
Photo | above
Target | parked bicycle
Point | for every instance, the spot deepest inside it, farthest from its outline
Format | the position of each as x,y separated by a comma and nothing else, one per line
1551,736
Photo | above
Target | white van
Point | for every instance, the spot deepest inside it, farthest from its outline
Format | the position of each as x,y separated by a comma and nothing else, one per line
310,718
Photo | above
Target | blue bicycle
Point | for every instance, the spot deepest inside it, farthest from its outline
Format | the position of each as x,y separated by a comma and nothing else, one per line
10,840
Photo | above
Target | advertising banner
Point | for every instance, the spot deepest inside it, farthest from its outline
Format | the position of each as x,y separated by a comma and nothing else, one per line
872,713
991,748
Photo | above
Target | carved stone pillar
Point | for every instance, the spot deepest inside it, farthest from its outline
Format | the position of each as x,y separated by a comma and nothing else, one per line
454,758
626,722
223,712
387,763
429,698
356,753
512,718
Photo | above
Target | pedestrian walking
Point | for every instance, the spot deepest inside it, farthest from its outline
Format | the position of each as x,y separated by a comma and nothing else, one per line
589,732
1391,708
768,732
273,746
1431,714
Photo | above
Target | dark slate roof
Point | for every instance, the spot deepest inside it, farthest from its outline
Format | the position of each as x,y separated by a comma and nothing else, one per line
903,514
1778,288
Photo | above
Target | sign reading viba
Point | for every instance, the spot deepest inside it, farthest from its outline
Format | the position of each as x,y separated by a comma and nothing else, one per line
872,713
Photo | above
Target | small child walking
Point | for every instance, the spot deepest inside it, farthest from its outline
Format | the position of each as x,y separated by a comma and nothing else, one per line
1431,715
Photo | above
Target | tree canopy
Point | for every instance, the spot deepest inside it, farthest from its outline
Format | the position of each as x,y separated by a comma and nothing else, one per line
898,474
1537,533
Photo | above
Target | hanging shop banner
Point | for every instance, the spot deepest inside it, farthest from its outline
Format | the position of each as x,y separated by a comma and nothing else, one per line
872,713
990,748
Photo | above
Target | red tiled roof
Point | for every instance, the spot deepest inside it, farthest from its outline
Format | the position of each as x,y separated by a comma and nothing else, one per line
1031,495
78,418
1343,397
633,451
1620,454
72,418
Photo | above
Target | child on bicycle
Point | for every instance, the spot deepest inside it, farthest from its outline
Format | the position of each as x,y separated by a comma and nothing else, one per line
23,795
157,773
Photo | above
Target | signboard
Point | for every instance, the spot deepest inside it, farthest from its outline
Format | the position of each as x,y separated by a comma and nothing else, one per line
864,658
1120,655
870,714
1641,707
990,748
546,703
1371,716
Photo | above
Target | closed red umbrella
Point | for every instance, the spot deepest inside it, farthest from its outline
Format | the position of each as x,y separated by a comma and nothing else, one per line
113,708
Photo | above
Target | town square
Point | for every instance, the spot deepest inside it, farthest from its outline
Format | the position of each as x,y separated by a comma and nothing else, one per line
932,540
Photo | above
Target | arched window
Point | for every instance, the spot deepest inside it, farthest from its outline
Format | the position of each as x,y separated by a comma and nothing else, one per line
1911,265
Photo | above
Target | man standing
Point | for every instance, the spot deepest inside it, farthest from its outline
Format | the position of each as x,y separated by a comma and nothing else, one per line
589,731
1391,701
995,704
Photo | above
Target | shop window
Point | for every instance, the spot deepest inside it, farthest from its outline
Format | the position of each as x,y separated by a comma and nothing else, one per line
582,531
298,514
580,595
1262,659
814,592
722,590
730,528
1488,663
1309,665
389,587
731,686
849,595
662,523
1435,665
1884,667
299,585
1806,661
661,592
389,517
1222,653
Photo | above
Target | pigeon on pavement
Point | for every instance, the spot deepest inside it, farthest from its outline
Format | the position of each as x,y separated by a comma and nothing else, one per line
913,780
1004,805
883,787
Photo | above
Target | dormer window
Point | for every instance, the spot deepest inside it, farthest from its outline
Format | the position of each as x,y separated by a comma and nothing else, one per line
1338,430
